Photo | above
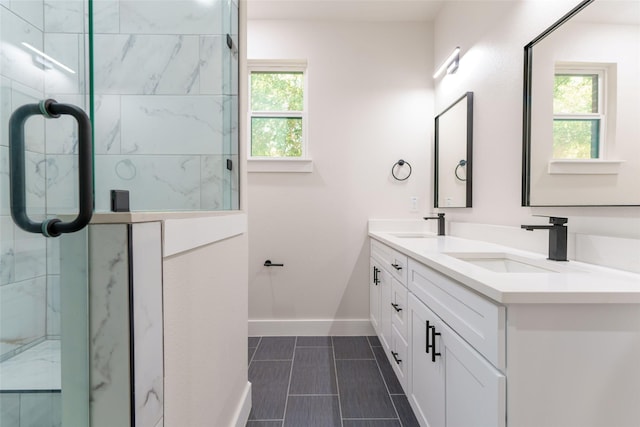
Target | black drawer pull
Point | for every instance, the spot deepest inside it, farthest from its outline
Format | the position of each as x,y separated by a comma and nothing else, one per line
395,357
396,307
375,276
396,266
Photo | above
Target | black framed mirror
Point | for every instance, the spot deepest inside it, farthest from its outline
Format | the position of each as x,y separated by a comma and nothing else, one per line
453,154
580,110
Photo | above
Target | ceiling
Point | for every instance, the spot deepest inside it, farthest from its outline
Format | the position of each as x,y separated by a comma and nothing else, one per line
345,10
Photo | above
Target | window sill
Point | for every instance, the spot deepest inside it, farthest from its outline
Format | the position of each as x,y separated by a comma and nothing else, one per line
280,165
584,167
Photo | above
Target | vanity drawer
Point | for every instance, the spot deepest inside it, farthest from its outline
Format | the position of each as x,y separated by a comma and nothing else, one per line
477,320
398,307
393,261
398,357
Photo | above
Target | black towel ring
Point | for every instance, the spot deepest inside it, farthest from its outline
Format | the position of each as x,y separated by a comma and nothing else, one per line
400,163
460,163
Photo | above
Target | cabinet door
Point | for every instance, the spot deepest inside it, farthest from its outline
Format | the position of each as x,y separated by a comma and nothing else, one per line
426,378
385,280
475,390
374,296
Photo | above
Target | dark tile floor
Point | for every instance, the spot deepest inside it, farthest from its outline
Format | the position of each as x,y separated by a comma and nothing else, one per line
324,382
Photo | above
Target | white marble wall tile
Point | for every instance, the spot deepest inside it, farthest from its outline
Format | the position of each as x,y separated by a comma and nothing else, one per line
53,305
22,313
230,132
34,128
10,413
65,48
229,17
148,324
30,257
109,325
16,62
7,250
35,183
62,184
64,16
214,56
31,11
62,133
4,181
53,256
172,124
235,184
5,110
106,16
171,17
155,182
40,409
143,64
107,124
215,177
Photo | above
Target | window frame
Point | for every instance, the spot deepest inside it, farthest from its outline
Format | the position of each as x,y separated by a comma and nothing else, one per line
600,116
300,163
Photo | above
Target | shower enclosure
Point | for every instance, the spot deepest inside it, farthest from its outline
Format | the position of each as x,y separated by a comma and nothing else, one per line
158,79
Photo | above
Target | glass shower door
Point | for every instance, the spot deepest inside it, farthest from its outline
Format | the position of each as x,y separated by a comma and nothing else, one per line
44,364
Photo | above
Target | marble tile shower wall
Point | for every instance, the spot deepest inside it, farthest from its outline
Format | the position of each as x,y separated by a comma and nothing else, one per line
165,123
166,103
29,265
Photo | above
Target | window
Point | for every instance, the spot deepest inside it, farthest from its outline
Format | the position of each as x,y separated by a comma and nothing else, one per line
277,116
578,113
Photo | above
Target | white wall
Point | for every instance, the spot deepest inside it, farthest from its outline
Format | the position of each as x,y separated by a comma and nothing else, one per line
370,104
492,36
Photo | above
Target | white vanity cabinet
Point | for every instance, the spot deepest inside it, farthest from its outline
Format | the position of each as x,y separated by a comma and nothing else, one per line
570,334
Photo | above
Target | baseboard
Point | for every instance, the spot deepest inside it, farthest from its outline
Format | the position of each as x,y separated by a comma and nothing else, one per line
242,413
310,327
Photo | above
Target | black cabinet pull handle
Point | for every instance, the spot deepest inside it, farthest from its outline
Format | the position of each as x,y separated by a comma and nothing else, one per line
396,307
51,227
396,266
427,330
435,353
268,263
395,357
375,276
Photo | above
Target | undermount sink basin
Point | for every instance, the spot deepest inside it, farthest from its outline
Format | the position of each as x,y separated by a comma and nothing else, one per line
507,263
412,235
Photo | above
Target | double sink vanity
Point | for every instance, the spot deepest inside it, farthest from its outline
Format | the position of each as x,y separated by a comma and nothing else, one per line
481,334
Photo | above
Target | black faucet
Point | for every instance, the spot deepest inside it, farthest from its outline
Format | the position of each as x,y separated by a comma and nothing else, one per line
557,237
440,219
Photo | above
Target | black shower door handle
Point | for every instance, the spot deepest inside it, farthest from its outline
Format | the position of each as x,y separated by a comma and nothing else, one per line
51,227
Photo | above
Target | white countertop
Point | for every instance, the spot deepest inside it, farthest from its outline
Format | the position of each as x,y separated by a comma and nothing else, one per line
572,283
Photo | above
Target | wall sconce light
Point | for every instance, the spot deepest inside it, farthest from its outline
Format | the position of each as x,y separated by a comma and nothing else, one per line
45,60
450,64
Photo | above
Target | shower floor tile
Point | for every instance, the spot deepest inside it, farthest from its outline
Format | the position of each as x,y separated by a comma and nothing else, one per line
37,368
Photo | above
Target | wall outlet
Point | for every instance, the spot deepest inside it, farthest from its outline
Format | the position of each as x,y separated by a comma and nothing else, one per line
413,200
